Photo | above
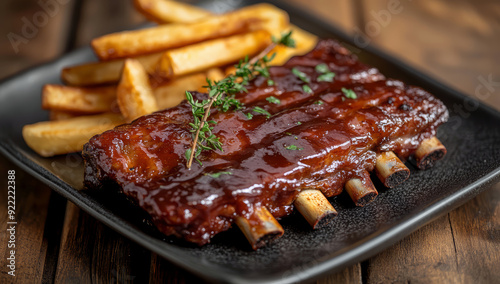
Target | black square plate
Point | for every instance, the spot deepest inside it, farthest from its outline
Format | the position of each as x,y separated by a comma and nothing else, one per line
471,165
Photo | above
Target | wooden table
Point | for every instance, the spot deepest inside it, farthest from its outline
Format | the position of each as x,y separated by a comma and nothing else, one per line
457,42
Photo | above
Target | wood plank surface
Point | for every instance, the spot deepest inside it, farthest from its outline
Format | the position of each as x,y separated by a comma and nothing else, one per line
454,41
93,253
352,274
163,271
476,233
426,256
29,243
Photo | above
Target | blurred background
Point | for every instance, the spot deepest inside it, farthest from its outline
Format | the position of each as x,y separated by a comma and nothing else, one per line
456,42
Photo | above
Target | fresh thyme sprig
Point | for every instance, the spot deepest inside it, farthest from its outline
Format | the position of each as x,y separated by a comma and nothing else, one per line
221,94
350,94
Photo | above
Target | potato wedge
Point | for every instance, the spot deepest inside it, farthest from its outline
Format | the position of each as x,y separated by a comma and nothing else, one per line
164,12
213,53
78,99
50,138
134,94
107,72
150,40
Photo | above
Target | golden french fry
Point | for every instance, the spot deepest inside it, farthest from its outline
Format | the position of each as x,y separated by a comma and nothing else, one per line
274,20
304,42
66,102
171,94
78,99
163,11
149,40
55,115
97,73
217,52
50,138
134,94
215,74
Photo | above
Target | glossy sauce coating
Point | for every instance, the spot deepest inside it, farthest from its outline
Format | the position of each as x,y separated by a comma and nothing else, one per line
318,140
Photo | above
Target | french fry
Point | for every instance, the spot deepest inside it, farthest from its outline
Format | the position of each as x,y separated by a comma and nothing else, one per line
274,20
134,94
77,99
304,42
217,52
149,40
215,74
171,94
98,73
55,115
50,138
164,12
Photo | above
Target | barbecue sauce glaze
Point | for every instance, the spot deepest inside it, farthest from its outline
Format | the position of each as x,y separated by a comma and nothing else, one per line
314,140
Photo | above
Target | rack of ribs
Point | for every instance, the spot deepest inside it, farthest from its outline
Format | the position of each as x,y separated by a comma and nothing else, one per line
309,146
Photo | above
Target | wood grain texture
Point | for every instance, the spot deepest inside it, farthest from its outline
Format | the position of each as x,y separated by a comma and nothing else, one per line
32,199
452,41
93,253
426,256
476,232
350,274
163,271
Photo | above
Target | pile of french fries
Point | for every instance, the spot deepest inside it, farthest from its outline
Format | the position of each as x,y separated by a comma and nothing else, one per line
142,71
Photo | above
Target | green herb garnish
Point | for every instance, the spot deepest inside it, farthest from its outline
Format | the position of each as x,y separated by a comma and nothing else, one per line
299,123
262,111
273,100
286,39
293,147
322,68
301,75
217,175
327,77
307,89
249,115
326,74
319,102
350,94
